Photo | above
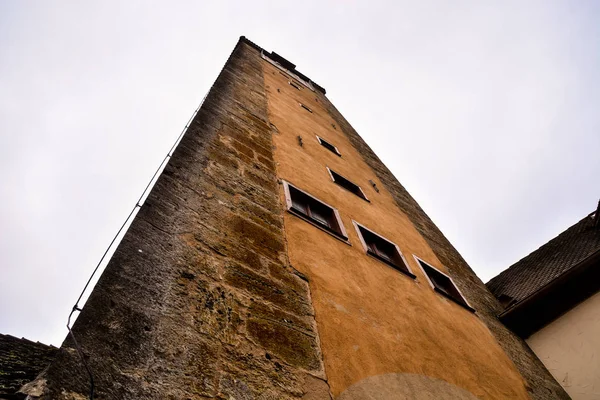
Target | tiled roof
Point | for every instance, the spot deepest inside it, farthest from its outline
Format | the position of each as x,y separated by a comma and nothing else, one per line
21,360
553,259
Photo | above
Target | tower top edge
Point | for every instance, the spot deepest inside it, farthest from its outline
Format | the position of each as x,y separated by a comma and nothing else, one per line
286,63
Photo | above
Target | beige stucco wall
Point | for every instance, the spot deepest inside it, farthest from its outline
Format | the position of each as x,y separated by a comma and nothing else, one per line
373,320
570,348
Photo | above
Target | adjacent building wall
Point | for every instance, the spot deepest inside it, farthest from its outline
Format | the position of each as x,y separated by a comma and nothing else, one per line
570,348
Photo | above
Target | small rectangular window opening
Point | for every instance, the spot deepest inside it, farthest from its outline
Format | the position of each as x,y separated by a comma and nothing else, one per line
314,211
328,146
346,184
305,107
294,86
443,284
382,249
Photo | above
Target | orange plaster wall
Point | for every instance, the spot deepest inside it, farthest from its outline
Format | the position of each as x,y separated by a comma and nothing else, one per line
372,319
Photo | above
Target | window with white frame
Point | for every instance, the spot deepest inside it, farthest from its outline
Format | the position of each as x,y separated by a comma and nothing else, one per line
347,184
443,284
314,211
328,146
382,249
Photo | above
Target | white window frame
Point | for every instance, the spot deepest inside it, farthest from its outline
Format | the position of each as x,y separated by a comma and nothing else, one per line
343,236
358,226
359,188
420,260
321,140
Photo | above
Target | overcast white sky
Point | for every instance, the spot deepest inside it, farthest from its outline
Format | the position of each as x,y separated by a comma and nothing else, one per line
486,111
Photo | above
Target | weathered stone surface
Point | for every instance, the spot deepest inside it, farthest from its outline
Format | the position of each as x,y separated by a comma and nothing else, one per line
315,389
258,237
295,347
259,214
210,309
260,310
235,389
267,289
188,369
289,277
268,375
190,306
242,148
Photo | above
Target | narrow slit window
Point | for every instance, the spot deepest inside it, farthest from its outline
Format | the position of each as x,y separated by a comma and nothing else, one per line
305,107
329,146
314,211
382,249
443,284
346,184
292,84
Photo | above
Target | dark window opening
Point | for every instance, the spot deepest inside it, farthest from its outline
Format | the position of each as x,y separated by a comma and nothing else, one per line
294,85
329,146
306,108
315,211
346,184
382,249
443,284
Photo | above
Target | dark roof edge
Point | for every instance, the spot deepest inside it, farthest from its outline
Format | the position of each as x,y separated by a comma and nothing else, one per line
25,340
550,285
492,282
244,39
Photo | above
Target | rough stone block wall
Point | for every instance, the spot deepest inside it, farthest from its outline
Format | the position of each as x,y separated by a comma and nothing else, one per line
199,300
540,384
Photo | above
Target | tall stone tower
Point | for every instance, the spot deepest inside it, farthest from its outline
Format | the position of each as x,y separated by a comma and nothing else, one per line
278,258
